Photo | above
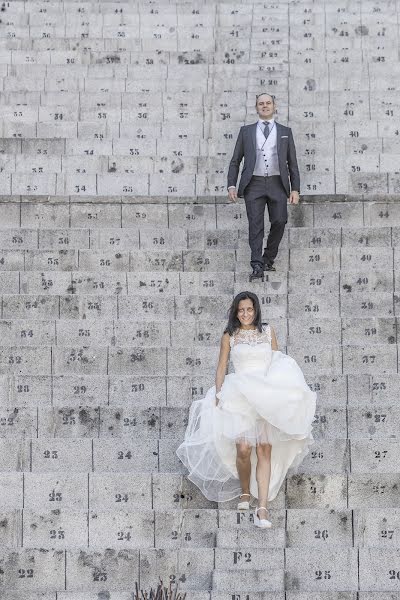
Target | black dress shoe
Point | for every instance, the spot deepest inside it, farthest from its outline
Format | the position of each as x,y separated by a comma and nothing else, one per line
269,267
258,273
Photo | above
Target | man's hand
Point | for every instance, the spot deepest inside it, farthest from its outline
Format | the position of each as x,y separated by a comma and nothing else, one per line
232,194
294,197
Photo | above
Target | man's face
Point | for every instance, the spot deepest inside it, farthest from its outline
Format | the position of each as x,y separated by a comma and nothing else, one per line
265,107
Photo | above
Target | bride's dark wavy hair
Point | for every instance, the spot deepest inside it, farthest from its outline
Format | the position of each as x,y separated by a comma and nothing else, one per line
233,321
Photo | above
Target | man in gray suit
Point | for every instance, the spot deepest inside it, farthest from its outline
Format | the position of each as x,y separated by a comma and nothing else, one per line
270,176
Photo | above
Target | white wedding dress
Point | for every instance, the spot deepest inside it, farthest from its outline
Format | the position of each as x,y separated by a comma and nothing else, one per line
266,399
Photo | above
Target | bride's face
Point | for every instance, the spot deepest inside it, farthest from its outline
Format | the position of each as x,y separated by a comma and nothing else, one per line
245,312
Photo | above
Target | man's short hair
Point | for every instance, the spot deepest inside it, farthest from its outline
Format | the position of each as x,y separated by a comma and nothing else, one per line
265,94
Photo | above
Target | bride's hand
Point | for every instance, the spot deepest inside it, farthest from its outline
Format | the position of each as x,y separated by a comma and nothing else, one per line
218,399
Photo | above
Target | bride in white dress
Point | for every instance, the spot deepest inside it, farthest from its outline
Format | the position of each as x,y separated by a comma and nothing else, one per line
255,423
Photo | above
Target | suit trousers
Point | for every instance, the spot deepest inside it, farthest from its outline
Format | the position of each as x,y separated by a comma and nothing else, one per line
259,192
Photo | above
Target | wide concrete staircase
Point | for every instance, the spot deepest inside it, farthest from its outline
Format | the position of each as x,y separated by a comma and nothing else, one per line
120,257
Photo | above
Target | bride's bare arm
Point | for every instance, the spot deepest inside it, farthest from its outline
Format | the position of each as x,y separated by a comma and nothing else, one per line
222,364
274,342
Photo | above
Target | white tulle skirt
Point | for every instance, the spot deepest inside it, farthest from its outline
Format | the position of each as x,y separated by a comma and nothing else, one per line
276,407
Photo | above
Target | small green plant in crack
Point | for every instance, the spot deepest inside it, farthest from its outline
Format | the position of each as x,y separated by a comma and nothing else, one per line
160,593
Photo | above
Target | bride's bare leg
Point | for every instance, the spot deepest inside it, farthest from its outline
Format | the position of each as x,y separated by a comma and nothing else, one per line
243,465
263,474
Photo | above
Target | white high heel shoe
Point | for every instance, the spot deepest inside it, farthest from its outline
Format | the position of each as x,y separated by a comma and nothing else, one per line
262,523
244,505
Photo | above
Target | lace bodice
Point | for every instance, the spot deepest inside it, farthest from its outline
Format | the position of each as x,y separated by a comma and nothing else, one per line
251,350
252,337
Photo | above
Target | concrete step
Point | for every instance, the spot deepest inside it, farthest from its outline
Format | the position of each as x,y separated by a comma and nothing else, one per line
376,241
116,453
118,420
196,529
192,213
39,491
359,391
305,261
81,359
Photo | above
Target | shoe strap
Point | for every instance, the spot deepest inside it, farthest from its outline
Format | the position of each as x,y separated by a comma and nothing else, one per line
244,495
260,507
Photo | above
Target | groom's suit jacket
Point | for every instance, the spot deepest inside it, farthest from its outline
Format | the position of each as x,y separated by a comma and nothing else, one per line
246,148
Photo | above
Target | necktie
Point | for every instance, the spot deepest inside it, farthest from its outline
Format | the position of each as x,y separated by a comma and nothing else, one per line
266,129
